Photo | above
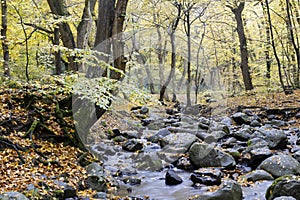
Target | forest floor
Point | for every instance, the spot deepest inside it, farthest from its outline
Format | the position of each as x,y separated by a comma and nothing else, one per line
28,159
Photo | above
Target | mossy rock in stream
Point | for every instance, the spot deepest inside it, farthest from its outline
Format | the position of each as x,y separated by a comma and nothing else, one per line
284,186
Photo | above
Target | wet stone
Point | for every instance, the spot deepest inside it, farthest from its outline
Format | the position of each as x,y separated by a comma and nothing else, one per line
132,180
207,176
172,178
132,145
280,165
241,118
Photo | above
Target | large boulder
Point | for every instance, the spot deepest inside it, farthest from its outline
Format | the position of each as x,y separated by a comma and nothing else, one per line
280,165
275,138
284,186
205,155
230,190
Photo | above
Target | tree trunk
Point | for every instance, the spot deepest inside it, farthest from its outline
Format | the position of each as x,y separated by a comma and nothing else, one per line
85,25
293,39
57,54
5,47
106,10
173,55
58,8
273,44
243,45
118,43
188,85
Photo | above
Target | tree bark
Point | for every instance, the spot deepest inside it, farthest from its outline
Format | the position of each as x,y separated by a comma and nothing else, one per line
243,45
85,25
117,40
173,55
106,10
58,8
5,47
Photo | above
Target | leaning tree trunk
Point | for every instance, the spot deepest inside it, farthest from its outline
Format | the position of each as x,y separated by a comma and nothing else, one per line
5,47
173,55
243,45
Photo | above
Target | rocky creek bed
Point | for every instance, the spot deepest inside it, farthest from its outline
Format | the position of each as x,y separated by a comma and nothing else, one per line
174,154
177,155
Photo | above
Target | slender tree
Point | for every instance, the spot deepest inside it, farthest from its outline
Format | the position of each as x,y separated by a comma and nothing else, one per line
171,32
237,10
5,47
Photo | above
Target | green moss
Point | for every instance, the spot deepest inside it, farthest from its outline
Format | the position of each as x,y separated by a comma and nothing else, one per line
275,182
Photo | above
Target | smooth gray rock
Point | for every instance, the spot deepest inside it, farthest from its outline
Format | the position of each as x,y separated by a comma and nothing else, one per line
284,186
230,190
278,123
13,196
275,138
243,134
258,175
241,118
172,178
280,165
149,161
160,134
204,155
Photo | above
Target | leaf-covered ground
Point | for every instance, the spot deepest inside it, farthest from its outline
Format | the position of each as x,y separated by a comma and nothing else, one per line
37,142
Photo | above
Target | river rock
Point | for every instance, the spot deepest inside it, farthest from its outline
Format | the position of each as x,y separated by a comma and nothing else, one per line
255,123
275,138
278,123
204,123
144,110
95,179
241,118
179,140
258,175
230,190
296,155
132,180
204,155
183,163
160,134
149,161
207,176
172,178
285,198
13,195
132,145
243,134
280,165
259,155
100,195
284,186
256,143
